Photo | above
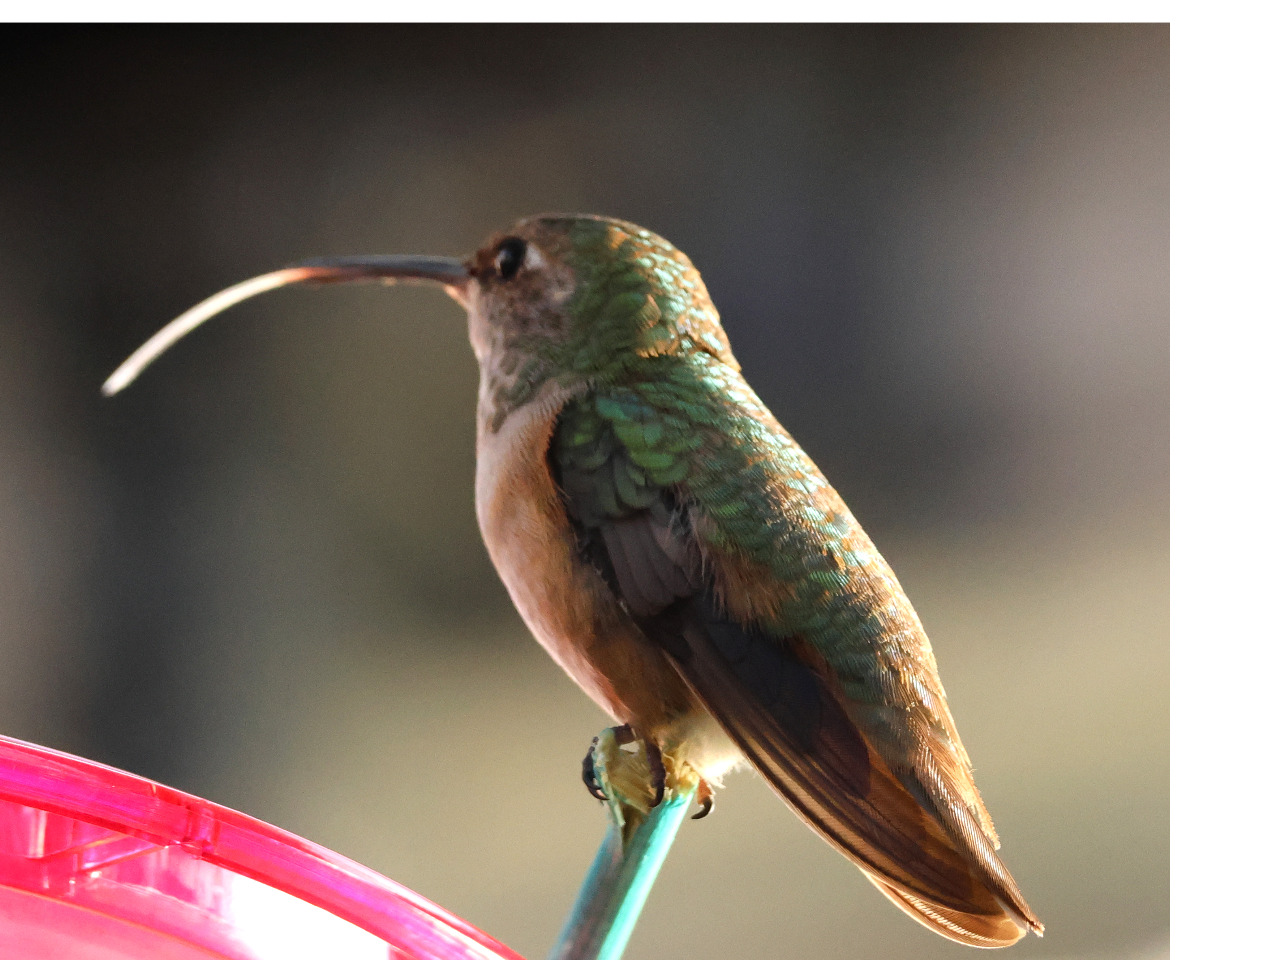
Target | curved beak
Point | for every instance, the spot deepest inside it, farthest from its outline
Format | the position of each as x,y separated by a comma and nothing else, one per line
387,268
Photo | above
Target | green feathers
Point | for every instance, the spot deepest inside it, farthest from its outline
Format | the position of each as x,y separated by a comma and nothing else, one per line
637,297
615,454
697,432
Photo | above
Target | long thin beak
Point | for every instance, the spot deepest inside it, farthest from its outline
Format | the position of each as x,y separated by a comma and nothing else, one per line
389,268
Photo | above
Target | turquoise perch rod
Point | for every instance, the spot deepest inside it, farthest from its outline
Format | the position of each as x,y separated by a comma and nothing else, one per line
634,847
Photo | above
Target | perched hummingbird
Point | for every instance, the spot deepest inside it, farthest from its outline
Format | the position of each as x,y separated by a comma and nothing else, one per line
678,554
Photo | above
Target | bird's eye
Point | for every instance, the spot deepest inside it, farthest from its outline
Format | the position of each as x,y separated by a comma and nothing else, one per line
509,257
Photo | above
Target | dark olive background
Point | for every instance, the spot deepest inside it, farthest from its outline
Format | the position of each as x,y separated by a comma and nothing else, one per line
941,254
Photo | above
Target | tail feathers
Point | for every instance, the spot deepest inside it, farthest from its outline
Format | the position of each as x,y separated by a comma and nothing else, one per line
911,827
997,929
978,847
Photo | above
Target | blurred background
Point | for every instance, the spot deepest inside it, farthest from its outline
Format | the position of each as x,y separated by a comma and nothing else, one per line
941,254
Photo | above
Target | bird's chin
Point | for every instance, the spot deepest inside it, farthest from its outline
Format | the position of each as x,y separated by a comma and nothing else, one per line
462,294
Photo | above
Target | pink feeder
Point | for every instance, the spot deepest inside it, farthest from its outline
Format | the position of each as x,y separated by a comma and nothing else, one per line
98,864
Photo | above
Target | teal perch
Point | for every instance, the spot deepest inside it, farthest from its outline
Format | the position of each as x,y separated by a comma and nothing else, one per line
689,566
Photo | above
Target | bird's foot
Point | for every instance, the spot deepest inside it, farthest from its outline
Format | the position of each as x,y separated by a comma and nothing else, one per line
634,777
621,768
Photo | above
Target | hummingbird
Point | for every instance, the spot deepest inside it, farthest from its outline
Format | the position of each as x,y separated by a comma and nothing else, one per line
680,556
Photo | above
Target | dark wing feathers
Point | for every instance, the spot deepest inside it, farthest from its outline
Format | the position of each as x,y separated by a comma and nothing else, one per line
918,841
794,731
652,564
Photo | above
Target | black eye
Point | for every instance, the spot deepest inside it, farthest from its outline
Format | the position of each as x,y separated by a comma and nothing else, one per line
509,257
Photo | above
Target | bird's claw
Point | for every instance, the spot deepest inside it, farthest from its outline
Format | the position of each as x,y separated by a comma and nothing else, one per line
589,771
657,772
622,734
706,800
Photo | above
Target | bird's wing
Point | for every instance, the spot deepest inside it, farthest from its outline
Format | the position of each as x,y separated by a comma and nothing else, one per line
731,552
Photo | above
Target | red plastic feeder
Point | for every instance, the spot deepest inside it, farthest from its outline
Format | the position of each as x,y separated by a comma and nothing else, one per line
99,864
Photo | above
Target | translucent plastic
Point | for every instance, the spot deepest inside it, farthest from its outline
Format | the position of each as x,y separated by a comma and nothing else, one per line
98,864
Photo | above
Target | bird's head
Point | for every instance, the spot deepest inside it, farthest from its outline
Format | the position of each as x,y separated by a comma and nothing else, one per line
585,296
